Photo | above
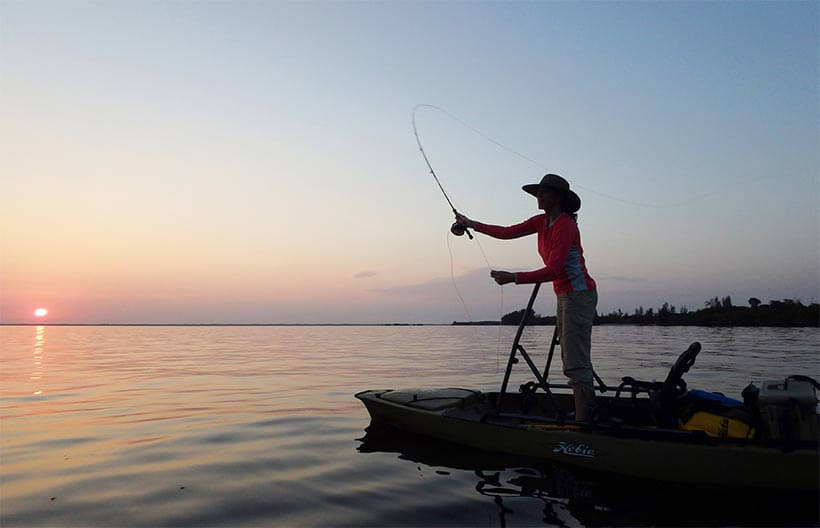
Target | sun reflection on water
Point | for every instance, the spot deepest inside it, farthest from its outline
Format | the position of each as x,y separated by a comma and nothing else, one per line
39,347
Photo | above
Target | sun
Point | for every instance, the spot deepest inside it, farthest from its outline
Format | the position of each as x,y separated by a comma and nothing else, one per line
40,312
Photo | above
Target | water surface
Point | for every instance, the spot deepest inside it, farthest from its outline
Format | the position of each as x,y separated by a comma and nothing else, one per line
162,426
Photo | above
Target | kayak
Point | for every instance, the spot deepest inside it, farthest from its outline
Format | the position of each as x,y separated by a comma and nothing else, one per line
472,418
648,430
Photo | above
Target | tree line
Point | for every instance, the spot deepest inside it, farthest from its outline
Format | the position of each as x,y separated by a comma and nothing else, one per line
715,312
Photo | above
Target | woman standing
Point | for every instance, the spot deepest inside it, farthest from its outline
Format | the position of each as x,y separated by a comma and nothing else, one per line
559,244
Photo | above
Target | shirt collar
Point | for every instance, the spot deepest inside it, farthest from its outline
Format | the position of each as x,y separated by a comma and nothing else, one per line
550,222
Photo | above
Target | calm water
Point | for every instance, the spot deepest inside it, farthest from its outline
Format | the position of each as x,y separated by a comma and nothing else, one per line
158,426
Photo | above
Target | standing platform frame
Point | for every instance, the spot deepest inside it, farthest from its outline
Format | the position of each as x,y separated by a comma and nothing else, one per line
541,379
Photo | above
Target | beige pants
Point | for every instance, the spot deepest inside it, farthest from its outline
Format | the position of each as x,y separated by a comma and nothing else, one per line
575,312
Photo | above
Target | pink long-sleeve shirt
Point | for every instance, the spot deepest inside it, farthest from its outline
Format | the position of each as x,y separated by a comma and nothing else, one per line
559,245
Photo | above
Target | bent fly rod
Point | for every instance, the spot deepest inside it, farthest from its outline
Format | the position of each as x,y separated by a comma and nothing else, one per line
457,229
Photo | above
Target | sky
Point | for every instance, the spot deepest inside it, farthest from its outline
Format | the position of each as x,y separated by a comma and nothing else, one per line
254,162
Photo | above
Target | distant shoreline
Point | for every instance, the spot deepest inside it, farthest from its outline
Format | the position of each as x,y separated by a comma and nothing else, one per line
454,323
610,323
226,324
787,313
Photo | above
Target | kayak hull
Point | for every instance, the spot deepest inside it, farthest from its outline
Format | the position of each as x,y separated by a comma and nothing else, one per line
469,418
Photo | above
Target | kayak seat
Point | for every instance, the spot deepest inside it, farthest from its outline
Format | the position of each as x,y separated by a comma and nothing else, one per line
664,395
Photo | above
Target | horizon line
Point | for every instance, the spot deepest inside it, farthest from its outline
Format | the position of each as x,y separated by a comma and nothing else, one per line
225,324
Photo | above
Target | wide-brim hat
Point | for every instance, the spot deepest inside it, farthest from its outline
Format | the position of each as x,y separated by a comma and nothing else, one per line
555,183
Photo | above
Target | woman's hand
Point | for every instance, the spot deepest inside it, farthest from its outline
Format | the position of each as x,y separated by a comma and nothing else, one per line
502,277
464,221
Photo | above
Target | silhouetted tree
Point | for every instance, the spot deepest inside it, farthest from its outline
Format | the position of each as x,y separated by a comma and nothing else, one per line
754,302
515,317
718,311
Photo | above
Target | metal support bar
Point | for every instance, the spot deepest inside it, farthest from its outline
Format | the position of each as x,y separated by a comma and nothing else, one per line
552,349
555,341
541,381
514,348
601,386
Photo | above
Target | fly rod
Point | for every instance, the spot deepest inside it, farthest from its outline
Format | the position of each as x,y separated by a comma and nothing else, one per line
457,229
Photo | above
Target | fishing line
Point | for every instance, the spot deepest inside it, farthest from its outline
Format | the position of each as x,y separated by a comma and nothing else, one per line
453,230
545,168
453,277
498,337
433,172
464,304
500,305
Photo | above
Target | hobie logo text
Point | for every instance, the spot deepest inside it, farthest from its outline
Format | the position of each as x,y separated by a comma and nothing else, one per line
581,450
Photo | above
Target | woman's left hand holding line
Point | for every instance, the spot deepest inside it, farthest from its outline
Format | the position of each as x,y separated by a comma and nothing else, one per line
502,277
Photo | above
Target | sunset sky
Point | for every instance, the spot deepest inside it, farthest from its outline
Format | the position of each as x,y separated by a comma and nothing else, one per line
198,162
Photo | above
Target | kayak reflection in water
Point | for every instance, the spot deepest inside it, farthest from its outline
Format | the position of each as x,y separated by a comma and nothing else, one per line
559,244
